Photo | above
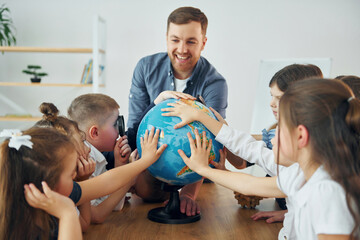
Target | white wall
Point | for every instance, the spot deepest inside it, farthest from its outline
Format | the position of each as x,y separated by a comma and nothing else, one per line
240,34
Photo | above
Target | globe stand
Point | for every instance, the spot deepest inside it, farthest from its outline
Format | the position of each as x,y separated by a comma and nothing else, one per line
170,214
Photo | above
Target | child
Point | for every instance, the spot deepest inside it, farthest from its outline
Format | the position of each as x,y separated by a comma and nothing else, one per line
97,115
90,111
44,154
85,165
319,127
278,84
26,161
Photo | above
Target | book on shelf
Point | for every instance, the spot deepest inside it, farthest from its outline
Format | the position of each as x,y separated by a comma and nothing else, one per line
88,72
87,77
83,73
101,69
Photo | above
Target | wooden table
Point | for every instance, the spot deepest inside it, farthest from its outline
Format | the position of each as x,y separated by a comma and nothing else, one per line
221,218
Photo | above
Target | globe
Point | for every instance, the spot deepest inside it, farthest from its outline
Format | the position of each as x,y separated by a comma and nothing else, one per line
170,167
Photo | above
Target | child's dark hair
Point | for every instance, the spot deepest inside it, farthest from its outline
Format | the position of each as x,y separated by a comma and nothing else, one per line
44,162
331,114
294,72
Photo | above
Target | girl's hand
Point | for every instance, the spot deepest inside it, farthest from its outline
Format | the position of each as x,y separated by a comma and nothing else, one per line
149,145
200,151
172,94
85,167
50,201
221,164
218,116
180,109
122,151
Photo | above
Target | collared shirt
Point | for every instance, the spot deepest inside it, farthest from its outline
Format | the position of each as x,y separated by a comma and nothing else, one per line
154,74
245,146
319,204
100,168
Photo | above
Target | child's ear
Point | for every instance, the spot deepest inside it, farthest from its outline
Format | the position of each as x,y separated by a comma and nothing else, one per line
303,136
93,132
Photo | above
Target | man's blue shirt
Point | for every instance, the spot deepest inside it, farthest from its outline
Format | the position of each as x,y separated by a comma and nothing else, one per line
154,74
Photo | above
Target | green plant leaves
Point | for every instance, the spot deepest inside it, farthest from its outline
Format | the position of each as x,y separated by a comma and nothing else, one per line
32,71
33,67
7,29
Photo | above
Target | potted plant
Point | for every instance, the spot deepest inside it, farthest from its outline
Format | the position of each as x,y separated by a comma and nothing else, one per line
7,29
32,70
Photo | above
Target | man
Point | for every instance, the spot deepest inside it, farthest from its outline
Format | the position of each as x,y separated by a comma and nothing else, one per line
181,69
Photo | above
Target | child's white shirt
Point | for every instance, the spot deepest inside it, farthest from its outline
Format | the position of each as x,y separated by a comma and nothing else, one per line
100,168
245,146
319,205
99,159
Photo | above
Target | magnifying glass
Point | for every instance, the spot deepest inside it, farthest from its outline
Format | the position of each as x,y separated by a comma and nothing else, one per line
121,125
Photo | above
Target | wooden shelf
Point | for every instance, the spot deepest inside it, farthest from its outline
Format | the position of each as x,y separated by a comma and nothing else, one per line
23,84
48,50
22,119
95,52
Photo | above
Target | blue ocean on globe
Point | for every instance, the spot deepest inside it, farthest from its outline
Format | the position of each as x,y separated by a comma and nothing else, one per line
170,167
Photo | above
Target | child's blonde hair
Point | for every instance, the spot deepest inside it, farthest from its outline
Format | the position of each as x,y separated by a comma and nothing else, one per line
44,162
91,108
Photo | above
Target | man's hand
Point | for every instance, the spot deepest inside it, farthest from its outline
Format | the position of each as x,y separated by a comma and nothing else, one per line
172,94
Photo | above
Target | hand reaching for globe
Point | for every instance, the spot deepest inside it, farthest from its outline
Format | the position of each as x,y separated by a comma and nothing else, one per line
221,164
172,94
182,110
200,150
149,145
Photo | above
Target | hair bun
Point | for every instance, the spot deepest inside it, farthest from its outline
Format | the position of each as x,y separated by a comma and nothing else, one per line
49,110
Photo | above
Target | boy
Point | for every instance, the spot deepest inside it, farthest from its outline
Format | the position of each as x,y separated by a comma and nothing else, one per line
96,115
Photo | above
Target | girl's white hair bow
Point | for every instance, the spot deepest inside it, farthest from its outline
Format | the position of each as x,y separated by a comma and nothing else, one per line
16,138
